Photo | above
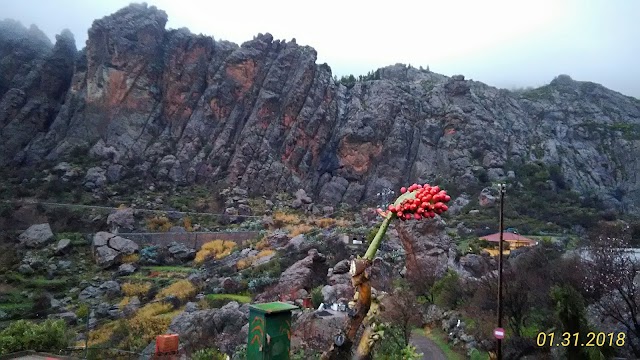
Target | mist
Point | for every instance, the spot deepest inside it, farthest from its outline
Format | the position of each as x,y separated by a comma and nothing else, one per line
502,43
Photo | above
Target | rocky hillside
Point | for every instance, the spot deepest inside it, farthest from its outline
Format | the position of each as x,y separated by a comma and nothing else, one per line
168,106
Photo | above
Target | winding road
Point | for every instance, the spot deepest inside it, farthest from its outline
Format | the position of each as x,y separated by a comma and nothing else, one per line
429,349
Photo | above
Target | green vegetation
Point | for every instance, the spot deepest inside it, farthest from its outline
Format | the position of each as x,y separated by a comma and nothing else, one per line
316,296
629,131
543,92
447,291
40,282
350,81
77,239
208,354
220,300
232,297
50,335
172,269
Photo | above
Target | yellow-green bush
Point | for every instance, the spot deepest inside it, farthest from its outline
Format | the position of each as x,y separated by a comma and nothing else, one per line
295,230
136,289
214,249
159,223
245,263
281,219
130,258
266,252
183,290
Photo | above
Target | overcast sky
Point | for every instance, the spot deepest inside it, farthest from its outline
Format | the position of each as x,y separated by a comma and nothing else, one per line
506,43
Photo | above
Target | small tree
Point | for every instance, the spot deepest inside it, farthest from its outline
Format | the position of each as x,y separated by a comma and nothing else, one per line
401,310
610,280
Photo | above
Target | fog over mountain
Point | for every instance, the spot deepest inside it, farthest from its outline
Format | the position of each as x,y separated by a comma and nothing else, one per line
502,43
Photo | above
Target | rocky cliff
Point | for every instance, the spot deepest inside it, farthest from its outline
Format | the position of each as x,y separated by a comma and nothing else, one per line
171,106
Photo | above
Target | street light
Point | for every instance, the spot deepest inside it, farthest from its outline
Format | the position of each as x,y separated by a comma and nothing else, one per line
499,332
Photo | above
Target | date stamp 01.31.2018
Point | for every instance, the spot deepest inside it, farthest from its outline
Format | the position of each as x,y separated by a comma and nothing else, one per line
565,339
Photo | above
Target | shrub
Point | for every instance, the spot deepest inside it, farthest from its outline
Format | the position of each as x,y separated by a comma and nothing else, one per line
281,219
216,248
208,354
182,289
447,291
324,222
83,311
136,289
245,263
50,335
139,331
316,296
266,252
186,222
130,258
258,284
154,309
295,230
159,223
262,244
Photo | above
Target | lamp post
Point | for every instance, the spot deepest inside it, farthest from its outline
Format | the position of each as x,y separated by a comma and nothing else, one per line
502,188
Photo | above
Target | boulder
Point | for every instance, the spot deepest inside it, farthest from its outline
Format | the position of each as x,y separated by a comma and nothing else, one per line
126,269
25,269
108,249
36,236
303,197
95,178
106,257
342,267
63,247
110,288
486,198
122,218
181,252
90,292
122,245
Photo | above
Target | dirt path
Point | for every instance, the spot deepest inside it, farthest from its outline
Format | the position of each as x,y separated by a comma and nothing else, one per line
429,349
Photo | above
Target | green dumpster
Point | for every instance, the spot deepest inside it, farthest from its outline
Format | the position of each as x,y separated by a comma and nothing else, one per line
269,331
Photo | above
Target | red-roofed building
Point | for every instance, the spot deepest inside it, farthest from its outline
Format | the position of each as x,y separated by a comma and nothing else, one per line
513,240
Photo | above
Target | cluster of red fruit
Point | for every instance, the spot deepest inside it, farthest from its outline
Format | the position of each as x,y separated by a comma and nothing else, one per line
427,201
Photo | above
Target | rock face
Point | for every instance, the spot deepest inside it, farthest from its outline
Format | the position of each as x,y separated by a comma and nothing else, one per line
427,248
170,106
108,249
36,236
303,274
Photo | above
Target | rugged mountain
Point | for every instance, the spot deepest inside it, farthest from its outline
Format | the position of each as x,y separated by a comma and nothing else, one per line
171,106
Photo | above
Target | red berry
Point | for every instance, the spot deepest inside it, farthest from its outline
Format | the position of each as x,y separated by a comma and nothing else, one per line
400,214
444,207
403,189
428,197
432,214
436,188
392,208
416,216
447,198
